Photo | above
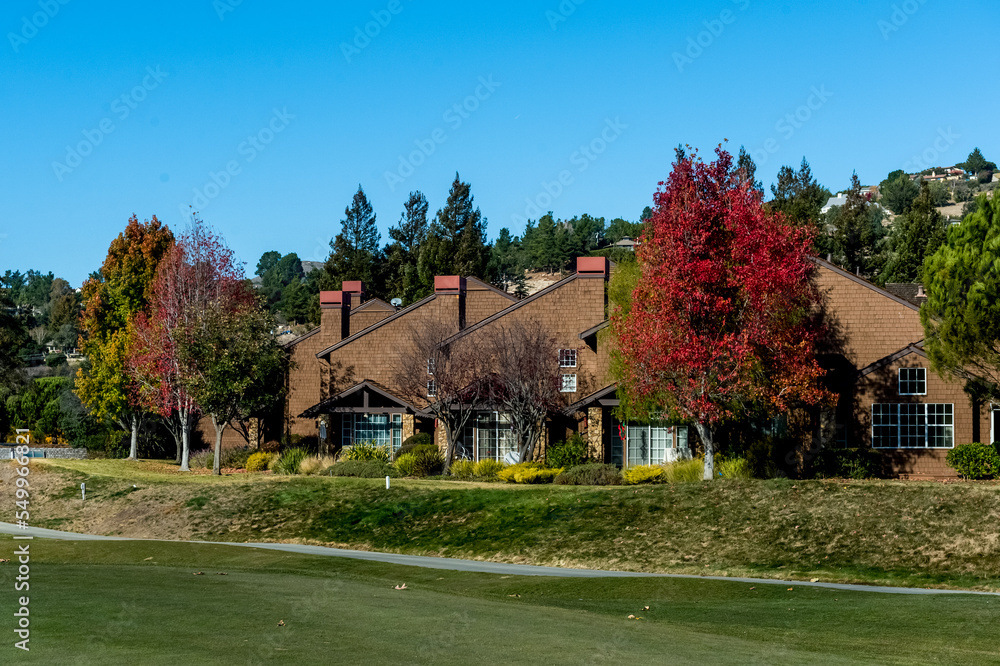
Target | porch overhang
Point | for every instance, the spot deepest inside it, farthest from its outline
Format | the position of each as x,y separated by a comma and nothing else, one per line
364,398
606,397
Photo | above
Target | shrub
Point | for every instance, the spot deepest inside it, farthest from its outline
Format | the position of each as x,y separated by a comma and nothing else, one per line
684,471
201,459
571,453
488,470
463,469
259,461
974,461
429,461
848,464
366,451
271,446
643,474
413,441
315,465
290,461
406,464
235,458
594,474
364,469
733,468
529,472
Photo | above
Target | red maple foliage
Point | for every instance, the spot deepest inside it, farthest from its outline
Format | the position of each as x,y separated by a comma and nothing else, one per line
721,318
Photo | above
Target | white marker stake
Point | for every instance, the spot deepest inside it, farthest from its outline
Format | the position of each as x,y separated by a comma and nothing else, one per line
83,492
387,483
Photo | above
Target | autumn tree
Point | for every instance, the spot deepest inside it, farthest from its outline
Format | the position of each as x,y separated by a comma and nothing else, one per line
525,383
961,317
448,378
112,299
720,318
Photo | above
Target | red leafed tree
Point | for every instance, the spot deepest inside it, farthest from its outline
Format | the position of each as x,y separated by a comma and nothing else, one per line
722,315
197,275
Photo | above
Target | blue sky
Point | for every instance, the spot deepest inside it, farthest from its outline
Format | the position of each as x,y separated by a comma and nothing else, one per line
266,116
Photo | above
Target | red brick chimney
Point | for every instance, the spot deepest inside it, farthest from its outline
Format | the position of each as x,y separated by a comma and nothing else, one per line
335,315
452,285
355,287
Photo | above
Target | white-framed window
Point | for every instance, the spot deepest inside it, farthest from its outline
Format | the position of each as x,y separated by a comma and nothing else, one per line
487,437
913,426
567,358
913,381
568,384
383,429
431,366
432,388
646,443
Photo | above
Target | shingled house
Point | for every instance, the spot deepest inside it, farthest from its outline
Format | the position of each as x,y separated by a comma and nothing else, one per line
342,388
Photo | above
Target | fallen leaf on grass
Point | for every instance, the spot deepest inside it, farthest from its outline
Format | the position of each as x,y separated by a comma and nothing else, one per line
199,573
514,595
814,580
4,561
401,587
790,589
147,559
281,623
753,588
645,608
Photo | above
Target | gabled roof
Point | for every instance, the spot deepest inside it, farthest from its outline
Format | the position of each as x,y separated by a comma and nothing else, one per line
304,336
863,282
392,317
374,304
603,394
366,386
915,348
490,287
596,329
519,304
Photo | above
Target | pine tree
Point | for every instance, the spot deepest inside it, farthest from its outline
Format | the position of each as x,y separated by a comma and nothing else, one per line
914,237
355,251
456,242
403,253
746,170
857,233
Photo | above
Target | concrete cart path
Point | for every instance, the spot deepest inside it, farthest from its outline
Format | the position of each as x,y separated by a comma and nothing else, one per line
477,566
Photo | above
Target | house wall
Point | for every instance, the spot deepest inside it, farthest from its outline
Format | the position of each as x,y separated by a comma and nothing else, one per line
369,315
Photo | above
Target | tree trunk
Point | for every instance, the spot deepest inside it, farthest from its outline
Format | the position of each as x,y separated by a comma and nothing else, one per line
185,444
219,428
449,454
133,452
705,433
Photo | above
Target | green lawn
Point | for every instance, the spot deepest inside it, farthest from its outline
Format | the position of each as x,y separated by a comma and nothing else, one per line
883,532
100,603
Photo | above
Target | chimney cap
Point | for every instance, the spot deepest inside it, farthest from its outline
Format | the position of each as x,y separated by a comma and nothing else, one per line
449,284
592,266
353,286
334,299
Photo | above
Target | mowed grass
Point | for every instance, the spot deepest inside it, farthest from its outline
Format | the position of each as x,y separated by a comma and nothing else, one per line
140,603
884,532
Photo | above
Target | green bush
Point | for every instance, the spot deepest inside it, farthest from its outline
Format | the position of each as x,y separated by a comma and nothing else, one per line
406,464
571,453
429,461
258,462
463,469
974,461
529,472
488,470
643,474
366,451
413,441
201,459
235,458
848,464
685,471
733,468
289,461
364,469
593,474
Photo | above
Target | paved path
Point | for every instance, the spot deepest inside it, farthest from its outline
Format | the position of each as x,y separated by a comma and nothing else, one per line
476,566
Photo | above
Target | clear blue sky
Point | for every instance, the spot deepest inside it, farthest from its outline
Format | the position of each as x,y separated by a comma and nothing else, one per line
894,79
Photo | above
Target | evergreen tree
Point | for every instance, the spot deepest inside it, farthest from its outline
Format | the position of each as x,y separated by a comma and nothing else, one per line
456,241
914,237
746,170
898,192
506,269
356,254
798,195
403,253
857,233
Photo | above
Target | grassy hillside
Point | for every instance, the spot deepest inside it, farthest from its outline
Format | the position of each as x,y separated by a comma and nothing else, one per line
99,603
917,534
